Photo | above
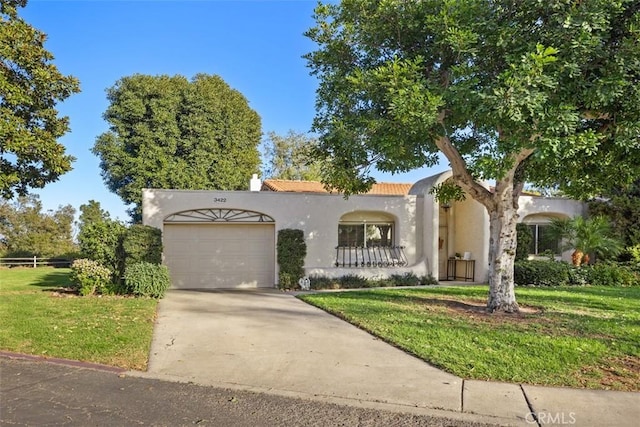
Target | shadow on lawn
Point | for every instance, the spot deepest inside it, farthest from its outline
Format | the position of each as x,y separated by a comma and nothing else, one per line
53,281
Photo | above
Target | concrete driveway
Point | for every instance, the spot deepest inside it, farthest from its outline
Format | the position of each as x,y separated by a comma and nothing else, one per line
269,340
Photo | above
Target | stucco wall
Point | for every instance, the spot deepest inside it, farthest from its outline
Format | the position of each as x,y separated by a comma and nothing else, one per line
549,207
529,205
316,214
417,220
471,234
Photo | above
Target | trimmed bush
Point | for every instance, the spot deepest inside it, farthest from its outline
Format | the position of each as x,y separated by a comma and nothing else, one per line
554,273
613,274
89,277
147,279
102,242
142,243
355,281
542,273
292,250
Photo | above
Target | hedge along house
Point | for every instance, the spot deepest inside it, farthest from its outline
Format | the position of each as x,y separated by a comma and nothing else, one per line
227,239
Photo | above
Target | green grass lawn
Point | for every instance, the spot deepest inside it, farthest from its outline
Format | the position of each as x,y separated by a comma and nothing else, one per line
38,316
578,337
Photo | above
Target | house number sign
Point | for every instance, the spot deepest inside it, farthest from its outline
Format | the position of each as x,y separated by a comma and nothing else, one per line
219,200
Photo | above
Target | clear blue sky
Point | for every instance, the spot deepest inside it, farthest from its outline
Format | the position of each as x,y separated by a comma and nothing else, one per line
255,46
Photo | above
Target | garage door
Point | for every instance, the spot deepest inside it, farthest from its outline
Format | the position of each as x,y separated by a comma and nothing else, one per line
209,256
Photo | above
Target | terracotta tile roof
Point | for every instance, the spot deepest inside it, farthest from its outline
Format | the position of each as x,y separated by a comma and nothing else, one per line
380,188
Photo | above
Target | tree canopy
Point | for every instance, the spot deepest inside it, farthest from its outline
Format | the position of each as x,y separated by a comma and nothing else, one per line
30,88
289,157
169,132
25,230
622,207
541,91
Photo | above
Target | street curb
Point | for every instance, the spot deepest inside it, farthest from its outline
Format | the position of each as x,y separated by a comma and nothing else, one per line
65,362
434,412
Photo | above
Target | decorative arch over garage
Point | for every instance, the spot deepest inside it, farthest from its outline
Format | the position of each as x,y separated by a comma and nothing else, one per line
218,215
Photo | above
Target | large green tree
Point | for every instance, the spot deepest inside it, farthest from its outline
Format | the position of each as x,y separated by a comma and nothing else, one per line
25,230
540,91
169,132
289,157
30,88
622,207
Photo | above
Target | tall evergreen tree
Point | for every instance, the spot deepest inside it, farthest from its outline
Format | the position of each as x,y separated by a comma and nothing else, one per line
169,132
30,88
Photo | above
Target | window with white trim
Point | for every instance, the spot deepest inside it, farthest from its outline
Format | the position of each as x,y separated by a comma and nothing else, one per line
366,229
367,235
542,240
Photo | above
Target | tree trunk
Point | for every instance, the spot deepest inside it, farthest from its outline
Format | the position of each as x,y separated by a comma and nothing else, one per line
502,255
502,206
576,257
586,258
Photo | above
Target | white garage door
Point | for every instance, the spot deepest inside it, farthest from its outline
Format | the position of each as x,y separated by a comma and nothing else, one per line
208,256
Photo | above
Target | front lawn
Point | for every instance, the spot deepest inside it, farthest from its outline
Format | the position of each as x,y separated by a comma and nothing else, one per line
571,336
39,316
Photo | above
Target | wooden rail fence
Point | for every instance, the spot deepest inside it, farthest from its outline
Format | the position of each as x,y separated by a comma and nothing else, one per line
34,262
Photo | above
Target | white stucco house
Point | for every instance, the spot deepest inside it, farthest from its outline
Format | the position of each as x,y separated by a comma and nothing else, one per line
227,239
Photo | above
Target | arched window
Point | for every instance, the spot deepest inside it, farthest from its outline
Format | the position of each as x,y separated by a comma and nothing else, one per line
366,229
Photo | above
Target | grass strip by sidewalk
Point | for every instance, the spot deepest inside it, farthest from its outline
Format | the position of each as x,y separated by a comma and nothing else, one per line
38,317
577,337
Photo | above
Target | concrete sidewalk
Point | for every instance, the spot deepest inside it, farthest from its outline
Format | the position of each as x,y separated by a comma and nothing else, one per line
271,341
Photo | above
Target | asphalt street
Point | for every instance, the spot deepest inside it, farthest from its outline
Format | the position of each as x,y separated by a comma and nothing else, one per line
38,393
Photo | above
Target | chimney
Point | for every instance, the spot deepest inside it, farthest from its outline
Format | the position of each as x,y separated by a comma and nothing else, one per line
255,184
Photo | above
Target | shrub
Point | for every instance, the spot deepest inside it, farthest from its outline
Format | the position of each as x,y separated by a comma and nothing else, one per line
542,273
634,252
102,242
407,279
579,276
142,243
554,273
292,250
89,277
613,274
352,281
147,279
287,280
355,281
320,282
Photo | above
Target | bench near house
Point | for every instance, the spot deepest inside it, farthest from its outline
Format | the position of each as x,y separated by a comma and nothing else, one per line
227,239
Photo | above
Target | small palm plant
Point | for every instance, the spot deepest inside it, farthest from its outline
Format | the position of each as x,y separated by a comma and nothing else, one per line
585,236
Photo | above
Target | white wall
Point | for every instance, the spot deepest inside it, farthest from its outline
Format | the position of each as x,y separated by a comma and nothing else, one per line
316,214
416,222
549,207
529,205
469,232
